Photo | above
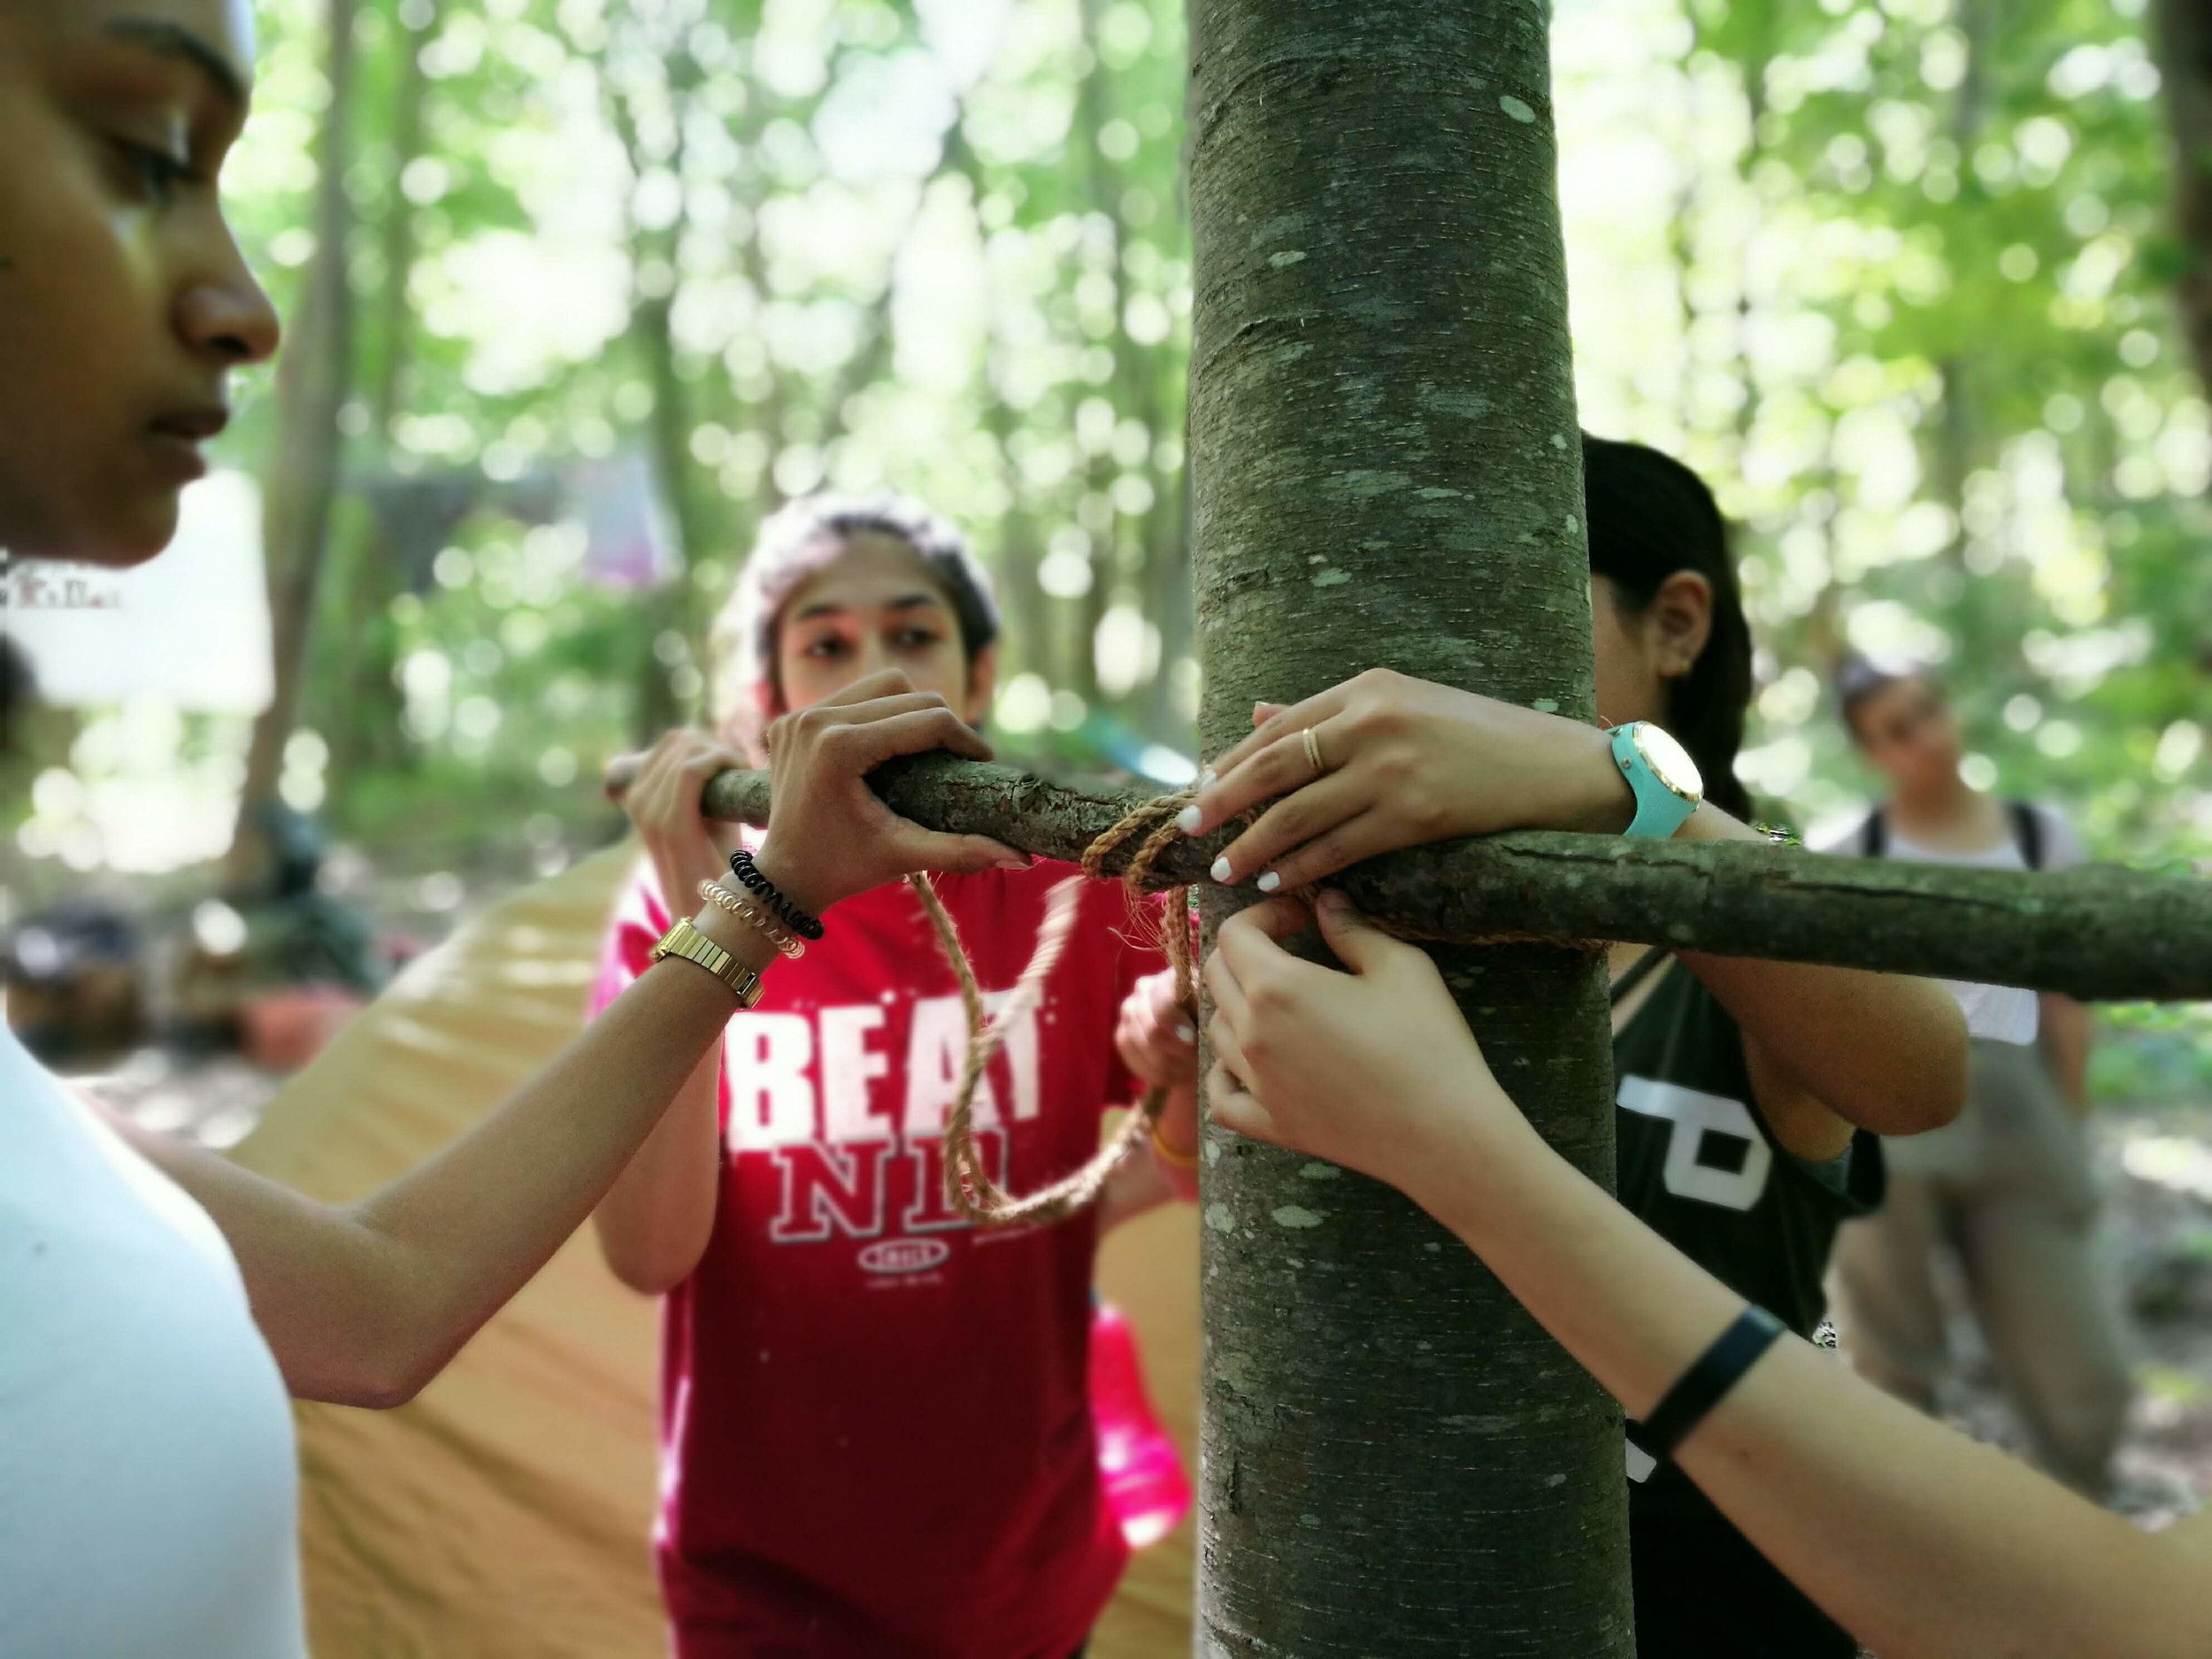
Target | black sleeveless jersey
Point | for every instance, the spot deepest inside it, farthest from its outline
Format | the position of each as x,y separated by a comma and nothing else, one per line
1699,1164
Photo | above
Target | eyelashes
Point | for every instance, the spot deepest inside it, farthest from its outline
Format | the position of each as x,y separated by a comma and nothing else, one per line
155,175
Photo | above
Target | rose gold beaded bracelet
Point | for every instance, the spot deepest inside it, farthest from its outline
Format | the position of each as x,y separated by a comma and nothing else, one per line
738,906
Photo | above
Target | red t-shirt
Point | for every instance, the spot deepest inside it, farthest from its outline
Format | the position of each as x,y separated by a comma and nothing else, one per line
876,1437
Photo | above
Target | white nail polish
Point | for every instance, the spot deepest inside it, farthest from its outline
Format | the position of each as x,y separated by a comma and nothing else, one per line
1220,872
1269,882
1209,777
1186,820
1186,1032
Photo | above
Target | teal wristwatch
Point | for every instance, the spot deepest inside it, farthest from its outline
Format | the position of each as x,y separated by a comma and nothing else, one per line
1661,775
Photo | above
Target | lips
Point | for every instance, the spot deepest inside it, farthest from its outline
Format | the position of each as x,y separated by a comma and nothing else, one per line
176,440
192,425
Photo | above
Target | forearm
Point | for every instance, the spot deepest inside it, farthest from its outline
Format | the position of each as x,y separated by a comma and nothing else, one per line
467,1229
1923,1544
654,1223
1178,1132
362,1304
1885,1051
2064,1033
1137,1187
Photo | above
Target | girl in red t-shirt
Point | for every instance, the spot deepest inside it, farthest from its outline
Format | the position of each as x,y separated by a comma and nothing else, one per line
876,1437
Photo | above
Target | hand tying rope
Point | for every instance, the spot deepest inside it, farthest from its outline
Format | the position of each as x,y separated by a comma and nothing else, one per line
969,1188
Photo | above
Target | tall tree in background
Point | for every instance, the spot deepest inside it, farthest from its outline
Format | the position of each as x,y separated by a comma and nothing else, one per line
314,378
2185,40
650,91
1396,1458
366,726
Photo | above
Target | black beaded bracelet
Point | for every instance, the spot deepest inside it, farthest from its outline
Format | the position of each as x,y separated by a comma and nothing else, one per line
747,873
1720,1368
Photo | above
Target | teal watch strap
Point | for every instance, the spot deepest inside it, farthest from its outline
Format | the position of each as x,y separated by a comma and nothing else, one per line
1660,810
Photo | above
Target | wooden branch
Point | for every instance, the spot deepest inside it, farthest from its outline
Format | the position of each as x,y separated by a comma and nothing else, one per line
2097,933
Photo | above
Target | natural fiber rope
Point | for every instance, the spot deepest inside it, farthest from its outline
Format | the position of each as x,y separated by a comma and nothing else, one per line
968,1188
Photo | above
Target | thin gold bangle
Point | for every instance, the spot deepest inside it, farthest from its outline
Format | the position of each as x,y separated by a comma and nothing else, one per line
1181,1160
715,894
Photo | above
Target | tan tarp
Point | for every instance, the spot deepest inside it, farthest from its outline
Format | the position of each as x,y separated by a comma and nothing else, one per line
503,1515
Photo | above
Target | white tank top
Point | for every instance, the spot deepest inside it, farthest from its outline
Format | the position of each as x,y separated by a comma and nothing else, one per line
149,1483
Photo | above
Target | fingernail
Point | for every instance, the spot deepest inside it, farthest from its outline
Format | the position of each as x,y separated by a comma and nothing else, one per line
1334,901
1015,860
1188,1032
1208,777
1269,882
1220,872
1187,819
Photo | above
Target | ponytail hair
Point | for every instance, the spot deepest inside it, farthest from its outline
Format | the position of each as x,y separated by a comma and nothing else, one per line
1650,516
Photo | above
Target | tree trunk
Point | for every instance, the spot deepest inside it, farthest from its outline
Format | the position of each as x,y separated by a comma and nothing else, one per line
1101,188
313,376
368,737
2100,931
1395,1457
1027,642
2185,48
668,610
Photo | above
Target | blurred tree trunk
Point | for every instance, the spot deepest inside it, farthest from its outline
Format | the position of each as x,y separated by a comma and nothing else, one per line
314,376
1953,447
1168,591
2184,51
1396,1459
1102,520
366,736
671,627
1026,646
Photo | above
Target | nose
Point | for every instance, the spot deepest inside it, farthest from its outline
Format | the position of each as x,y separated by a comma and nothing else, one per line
227,314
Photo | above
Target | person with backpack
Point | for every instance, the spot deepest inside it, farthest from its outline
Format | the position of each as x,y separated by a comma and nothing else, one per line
2008,1185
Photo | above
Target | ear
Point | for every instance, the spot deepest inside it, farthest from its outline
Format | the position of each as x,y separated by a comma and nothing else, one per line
1680,618
982,684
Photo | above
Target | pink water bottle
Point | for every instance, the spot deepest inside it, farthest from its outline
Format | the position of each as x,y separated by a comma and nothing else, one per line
1146,1487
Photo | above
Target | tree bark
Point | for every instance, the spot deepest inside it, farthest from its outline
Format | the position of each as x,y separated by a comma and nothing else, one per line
2185,49
1395,1457
2100,933
314,376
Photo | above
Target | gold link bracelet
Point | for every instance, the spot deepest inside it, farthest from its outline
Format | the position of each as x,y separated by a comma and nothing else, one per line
683,940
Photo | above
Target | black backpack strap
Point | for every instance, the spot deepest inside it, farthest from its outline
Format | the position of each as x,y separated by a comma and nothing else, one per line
1874,835
2027,831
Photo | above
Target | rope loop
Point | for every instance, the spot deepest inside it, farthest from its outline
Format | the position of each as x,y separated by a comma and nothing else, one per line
968,1188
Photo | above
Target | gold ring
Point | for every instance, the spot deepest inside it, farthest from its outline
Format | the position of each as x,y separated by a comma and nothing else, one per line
1313,751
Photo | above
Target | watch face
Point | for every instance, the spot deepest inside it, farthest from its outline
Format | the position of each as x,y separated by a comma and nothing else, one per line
1670,761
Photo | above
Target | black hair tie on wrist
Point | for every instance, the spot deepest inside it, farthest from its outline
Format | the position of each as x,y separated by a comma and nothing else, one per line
1702,1387
807,926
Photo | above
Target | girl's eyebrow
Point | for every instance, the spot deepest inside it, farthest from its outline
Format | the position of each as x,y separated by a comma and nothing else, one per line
174,41
905,602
